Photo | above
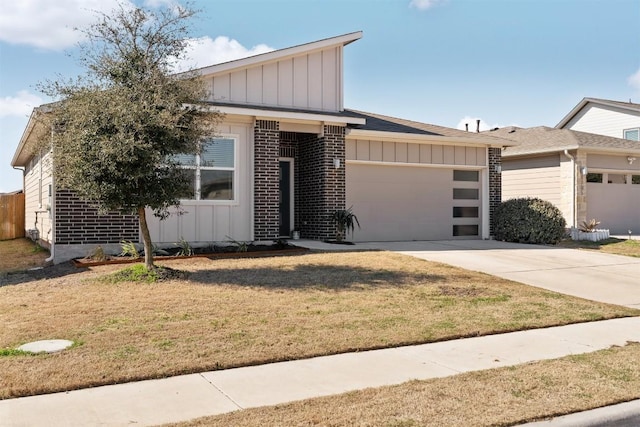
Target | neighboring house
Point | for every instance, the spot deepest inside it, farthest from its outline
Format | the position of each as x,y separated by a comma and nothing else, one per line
287,155
585,175
604,117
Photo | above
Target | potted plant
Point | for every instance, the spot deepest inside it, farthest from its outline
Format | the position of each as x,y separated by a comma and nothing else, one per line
587,230
344,221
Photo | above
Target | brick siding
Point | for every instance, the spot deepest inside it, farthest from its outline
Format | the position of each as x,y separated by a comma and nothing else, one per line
266,183
79,222
495,183
321,186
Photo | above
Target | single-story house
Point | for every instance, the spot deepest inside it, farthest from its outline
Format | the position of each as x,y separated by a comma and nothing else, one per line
286,156
604,117
584,174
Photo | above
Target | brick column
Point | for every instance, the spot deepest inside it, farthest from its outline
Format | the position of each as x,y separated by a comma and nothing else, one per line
266,186
321,185
495,183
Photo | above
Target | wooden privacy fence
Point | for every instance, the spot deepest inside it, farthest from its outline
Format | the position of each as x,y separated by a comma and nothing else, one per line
11,216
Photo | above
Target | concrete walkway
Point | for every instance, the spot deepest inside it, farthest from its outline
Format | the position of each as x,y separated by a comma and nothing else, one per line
614,279
186,397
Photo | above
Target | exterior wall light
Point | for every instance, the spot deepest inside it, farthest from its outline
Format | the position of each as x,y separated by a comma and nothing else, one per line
497,168
583,170
336,163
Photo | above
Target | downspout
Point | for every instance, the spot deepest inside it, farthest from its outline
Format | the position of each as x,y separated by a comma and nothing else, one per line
52,229
574,211
52,207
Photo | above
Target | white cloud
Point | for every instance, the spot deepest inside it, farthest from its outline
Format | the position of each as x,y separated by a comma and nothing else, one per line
425,4
204,51
49,24
160,3
634,80
472,122
20,105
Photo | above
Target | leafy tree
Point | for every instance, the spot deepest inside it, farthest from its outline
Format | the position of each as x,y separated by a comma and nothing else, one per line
117,128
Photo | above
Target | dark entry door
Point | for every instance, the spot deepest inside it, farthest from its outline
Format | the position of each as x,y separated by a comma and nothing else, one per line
285,198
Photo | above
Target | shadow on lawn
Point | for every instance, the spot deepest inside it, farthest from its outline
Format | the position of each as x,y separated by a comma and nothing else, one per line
312,276
58,270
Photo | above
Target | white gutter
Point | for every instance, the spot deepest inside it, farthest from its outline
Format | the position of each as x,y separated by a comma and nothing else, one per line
294,116
574,211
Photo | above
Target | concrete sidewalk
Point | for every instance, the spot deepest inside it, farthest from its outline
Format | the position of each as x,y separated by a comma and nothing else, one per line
186,397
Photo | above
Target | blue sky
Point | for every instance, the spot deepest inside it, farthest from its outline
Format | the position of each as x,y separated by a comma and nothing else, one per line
446,62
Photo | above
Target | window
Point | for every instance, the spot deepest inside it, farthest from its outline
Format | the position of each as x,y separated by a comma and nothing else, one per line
465,230
466,194
632,134
635,179
465,212
466,176
615,178
212,171
594,177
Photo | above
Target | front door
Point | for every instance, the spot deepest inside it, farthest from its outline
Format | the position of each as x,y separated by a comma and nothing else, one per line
285,198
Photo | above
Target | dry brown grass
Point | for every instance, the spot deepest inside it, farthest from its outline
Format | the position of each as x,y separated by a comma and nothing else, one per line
626,247
20,254
497,397
248,311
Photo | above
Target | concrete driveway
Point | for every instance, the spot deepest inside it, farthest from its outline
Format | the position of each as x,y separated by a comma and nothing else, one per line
596,276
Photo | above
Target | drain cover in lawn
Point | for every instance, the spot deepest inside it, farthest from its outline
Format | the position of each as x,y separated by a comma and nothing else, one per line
46,346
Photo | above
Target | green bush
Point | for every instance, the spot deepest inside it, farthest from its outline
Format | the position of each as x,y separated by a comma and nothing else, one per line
528,220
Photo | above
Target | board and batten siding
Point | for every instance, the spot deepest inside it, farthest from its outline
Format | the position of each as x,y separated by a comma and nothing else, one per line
207,221
604,120
310,81
532,177
38,204
414,153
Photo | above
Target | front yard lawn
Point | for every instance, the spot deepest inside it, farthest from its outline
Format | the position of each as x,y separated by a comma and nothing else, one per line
20,254
230,313
628,247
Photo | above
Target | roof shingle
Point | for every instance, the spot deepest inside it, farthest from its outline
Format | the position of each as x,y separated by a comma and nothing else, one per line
543,139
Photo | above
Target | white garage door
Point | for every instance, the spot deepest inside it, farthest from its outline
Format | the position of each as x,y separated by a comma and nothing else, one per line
615,202
413,203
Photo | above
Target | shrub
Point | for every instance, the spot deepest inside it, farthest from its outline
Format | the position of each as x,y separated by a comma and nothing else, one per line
528,220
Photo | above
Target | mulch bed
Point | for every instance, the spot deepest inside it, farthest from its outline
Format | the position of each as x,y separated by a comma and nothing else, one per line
220,252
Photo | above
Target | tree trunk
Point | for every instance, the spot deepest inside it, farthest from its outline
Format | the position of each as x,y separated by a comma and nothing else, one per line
146,237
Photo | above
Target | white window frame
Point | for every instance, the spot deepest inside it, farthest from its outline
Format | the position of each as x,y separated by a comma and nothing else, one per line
234,169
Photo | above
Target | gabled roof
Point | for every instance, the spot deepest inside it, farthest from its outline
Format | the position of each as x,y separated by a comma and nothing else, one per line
630,106
543,139
378,123
279,54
